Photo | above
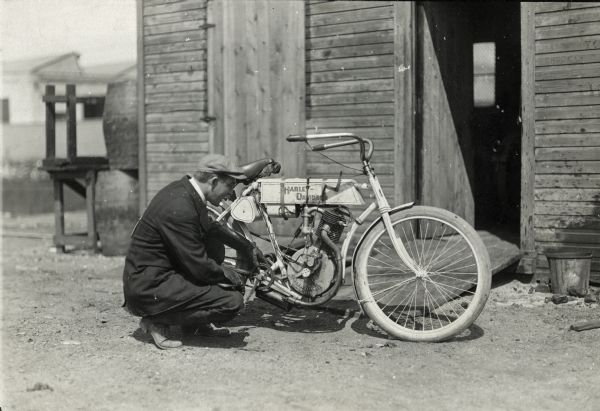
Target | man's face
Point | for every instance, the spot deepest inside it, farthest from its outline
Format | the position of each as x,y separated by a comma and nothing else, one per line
221,188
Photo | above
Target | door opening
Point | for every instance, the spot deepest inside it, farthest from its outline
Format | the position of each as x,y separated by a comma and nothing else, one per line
495,125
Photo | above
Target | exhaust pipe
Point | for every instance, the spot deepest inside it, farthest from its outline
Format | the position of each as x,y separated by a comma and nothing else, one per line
275,298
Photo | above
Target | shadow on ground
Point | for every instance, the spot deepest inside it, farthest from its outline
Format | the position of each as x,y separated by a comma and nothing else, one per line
235,340
333,317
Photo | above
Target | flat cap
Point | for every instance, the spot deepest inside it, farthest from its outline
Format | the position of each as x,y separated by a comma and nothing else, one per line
218,163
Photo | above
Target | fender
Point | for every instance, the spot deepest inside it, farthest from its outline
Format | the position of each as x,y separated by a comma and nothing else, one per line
378,220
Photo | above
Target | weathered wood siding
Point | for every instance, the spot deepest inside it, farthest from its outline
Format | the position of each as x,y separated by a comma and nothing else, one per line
175,100
566,212
350,83
256,83
446,92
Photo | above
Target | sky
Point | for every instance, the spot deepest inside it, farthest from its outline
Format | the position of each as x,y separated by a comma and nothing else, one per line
101,31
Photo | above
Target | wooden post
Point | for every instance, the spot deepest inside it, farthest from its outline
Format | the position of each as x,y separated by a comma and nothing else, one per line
141,107
71,122
527,264
404,102
214,68
50,124
90,198
59,216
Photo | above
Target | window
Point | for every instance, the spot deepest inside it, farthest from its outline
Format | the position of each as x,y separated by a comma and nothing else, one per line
5,111
93,107
484,74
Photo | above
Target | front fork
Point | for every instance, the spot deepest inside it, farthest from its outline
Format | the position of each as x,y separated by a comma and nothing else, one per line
384,210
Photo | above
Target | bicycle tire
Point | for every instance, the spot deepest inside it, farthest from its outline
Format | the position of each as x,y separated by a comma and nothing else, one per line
465,292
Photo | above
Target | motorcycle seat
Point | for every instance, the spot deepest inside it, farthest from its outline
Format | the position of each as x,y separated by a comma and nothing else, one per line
254,169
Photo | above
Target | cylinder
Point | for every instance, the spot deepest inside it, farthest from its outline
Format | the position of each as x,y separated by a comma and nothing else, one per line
117,209
119,124
569,272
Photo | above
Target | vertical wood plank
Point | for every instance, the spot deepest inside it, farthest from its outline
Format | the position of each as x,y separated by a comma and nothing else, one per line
263,81
90,199
251,138
71,122
215,75
239,119
445,156
277,32
141,107
229,69
50,124
528,135
404,102
265,103
295,92
287,74
59,216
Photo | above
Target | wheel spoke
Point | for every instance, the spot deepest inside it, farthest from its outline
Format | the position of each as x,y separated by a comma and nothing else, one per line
388,273
400,304
447,250
382,262
409,243
384,267
446,286
393,286
437,245
415,241
449,298
423,240
379,252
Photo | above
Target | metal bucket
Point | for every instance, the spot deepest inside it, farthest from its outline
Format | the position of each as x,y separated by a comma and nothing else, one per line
569,272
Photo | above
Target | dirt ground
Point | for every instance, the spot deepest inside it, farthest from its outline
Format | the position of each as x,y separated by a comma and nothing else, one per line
68,345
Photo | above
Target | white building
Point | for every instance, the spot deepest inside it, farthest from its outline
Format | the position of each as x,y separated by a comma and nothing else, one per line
24,81
23,111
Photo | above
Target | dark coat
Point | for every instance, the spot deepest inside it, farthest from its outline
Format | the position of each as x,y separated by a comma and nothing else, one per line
167,263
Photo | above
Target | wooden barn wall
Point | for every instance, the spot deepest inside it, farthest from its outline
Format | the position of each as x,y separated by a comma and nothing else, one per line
567,130
446,91
174,84
256,80
350,83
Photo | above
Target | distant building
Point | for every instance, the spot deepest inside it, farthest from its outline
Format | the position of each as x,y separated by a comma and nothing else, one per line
24,82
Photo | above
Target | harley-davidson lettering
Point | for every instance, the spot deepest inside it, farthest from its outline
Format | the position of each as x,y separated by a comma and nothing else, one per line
311,197
294,189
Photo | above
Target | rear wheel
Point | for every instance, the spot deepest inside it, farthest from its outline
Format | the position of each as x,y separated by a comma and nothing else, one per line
449,288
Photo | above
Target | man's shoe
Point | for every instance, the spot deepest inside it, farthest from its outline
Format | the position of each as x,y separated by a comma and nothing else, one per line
205,330
160,334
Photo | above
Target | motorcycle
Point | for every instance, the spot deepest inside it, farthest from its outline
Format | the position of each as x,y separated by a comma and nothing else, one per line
420,273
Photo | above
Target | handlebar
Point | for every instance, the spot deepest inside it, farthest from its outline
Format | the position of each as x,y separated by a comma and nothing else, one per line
296,138
320,147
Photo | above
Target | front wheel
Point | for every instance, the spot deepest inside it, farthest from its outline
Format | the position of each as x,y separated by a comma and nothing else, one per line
449,288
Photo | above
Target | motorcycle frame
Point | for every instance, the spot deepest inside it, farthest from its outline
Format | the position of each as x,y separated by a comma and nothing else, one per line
380,203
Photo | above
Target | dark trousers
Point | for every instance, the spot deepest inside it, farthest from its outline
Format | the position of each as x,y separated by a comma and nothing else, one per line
216,305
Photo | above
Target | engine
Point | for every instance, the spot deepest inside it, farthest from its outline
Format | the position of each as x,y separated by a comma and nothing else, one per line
312,270
336,219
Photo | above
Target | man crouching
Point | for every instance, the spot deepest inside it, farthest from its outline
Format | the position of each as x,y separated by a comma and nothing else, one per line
173,273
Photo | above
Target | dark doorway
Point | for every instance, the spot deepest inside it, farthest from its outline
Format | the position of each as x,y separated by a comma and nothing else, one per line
496,128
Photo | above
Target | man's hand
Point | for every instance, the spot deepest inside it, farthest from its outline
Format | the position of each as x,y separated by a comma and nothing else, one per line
256,257
237,280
